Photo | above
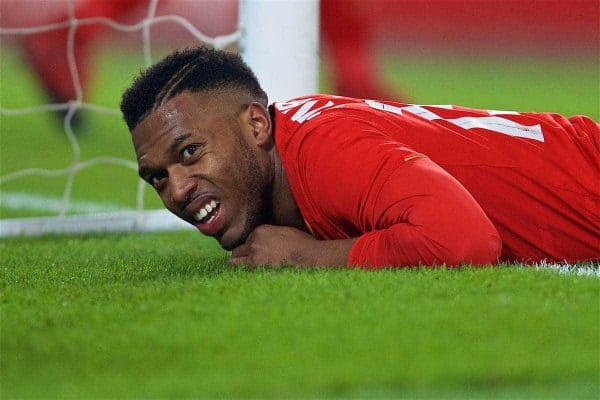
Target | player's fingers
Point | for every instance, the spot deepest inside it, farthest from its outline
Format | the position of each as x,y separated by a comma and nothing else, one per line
241,251
238,260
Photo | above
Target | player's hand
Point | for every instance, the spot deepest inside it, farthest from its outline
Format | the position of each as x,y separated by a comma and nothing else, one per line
276,245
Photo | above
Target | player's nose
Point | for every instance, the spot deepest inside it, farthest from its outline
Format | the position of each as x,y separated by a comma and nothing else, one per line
181,185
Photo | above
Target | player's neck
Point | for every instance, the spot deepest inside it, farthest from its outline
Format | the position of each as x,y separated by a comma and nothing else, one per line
285,209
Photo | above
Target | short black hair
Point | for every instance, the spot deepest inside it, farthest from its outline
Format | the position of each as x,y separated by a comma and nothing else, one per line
194,69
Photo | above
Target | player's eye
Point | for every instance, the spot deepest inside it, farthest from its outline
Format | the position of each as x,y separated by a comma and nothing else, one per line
188,151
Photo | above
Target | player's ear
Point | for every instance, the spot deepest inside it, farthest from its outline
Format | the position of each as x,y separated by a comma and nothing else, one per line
260,123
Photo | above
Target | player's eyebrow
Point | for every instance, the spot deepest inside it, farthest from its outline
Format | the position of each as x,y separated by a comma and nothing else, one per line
177,141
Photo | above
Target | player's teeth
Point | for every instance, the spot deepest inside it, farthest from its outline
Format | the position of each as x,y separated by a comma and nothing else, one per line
206,211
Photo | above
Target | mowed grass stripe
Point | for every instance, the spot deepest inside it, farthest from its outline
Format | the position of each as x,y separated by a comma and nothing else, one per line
163,315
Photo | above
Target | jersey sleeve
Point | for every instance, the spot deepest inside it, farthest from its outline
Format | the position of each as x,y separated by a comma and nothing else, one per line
405,209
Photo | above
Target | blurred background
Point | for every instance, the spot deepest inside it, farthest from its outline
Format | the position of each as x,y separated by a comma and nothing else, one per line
527,55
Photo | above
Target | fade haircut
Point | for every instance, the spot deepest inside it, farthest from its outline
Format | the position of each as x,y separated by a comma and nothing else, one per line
194,69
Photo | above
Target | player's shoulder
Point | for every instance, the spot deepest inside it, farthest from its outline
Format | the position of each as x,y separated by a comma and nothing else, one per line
318,118
317,109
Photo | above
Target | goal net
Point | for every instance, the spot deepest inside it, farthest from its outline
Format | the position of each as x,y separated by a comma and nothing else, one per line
69,166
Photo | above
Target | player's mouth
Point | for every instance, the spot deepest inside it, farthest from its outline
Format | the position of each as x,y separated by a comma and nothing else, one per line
209,217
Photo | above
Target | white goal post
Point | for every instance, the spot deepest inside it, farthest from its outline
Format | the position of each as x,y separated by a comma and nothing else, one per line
278,39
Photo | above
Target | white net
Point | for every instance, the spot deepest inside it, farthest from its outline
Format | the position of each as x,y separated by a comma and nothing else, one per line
137,219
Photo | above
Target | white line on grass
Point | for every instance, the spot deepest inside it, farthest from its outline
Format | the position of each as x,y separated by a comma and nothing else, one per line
93,217
53,204
566,268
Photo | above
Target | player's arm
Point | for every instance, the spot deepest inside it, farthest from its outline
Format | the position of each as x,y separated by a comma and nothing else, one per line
423,216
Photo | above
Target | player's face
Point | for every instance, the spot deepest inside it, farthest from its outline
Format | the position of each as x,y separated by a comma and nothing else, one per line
200,156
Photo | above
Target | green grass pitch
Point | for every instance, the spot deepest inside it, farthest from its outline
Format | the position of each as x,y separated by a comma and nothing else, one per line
162,315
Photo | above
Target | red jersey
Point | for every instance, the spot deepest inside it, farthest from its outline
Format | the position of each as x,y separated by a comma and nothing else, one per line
442,184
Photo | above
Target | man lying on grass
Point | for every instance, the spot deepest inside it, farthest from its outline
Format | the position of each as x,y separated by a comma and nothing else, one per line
328,181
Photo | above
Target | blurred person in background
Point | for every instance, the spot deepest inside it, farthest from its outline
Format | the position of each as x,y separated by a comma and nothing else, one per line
355,71
46,52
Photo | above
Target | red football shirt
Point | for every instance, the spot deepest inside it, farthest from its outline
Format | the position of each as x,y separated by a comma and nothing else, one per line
442,184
